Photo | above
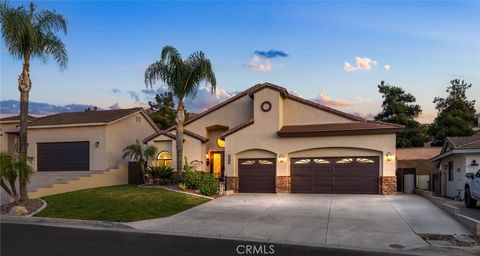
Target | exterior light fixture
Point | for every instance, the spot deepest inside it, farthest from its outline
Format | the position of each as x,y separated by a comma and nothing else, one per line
97,144
281,158
207,161
389,156
474,163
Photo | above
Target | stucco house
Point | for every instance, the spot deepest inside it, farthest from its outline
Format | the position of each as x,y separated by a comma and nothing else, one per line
267,140
416,163
9,133
459,155
83,141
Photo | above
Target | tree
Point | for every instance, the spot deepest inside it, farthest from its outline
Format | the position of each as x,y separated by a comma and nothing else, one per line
398,108
163,113
11,168
456,114
140,154
183,77
30,34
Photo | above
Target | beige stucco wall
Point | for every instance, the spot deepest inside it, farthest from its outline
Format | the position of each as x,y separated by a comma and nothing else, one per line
262,135
98,155
7,141
298,113
124,132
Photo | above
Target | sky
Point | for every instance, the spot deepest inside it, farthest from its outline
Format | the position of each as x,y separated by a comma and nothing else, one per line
335,53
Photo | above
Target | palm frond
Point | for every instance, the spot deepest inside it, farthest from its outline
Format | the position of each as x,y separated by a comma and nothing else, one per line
48,21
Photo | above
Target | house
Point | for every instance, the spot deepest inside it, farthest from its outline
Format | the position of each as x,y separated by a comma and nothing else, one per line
268,140
459,155
416,162
9,133
83,141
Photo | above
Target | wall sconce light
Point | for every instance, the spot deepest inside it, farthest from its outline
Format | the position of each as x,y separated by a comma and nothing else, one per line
389,156
207,161
97,144
474,163
281,158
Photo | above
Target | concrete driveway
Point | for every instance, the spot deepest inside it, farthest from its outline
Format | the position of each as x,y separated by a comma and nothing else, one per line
357,221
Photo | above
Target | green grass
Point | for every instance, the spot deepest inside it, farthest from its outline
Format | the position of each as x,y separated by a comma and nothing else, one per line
118,203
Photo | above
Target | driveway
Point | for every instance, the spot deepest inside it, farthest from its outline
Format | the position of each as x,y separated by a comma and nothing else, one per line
357,221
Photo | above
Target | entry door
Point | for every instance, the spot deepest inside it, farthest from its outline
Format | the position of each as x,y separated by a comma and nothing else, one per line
217,166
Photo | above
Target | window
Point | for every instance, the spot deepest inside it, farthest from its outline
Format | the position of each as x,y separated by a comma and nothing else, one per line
220,143
164,159
248,162
345,161
265,162
321,161
364,161
450,171
302,161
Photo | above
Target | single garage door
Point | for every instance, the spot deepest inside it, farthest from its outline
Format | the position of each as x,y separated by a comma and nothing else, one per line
338,175
256,175
63,156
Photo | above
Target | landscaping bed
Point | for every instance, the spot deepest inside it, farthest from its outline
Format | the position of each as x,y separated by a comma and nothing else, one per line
122,203
31,206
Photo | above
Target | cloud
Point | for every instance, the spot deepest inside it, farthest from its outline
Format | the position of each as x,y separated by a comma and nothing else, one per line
102,82
134,95
259,64
387,67
326,100
270,54
116,90
364,115
361,63
115,106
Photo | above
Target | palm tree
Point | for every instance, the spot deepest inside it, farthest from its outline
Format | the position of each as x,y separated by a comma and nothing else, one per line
140,154
12,167
30,34
183,78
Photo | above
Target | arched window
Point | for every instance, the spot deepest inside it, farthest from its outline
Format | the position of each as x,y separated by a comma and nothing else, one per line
164,159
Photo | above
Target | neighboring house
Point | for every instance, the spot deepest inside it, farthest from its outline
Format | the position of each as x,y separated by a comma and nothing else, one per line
83,141
416,162
267,140
459,155
9,133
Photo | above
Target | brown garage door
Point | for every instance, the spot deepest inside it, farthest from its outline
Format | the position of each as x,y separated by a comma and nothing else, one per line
339,175
256,175
63,156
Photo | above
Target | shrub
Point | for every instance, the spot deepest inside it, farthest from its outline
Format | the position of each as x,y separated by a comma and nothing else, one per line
192,178
182,185
208,184
162,173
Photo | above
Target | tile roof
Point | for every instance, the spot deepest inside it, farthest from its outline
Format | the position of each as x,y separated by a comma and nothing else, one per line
236,128
468,142
417,153
69,118
17,118
422,166
172,136
332,129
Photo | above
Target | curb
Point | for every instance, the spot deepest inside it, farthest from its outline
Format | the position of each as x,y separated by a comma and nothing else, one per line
92,224
178,191
471,224
39,209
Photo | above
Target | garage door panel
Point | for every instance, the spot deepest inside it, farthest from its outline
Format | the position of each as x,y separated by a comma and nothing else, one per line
342,175
63,156
256,175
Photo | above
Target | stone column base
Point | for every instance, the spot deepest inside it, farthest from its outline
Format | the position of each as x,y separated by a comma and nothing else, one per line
232,184
283,184
387,185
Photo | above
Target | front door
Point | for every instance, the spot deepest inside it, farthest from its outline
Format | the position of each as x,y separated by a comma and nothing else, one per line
216,166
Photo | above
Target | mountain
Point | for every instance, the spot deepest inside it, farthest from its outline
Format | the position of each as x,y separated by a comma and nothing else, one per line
12,107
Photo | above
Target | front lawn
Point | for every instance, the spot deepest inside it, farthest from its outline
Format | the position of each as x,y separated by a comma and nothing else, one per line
118,203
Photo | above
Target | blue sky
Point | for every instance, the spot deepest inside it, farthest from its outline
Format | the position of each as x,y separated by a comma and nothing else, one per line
337,51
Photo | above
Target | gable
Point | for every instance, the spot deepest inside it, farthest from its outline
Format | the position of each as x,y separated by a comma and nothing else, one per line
296,112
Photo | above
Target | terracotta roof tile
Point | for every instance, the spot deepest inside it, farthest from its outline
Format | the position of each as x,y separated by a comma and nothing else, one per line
168,134
332,129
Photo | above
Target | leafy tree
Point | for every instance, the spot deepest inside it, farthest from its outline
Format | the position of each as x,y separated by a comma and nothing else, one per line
399,108
163,110
456,114
30,34
140,154
183,77
11,168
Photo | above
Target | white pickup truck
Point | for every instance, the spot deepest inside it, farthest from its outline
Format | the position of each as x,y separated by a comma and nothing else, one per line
472,189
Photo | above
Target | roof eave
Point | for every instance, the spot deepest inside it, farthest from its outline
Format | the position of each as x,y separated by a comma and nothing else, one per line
286,134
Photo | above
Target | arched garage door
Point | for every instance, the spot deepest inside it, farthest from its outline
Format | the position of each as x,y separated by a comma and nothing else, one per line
256,175
338,175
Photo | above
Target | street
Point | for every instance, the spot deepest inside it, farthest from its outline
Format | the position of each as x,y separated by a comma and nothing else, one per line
26,239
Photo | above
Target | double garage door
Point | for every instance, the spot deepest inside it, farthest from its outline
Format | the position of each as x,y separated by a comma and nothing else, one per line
338,175
63,156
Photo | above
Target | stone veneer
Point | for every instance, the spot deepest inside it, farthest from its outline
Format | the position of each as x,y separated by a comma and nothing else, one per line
387,185
232,184
283,184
